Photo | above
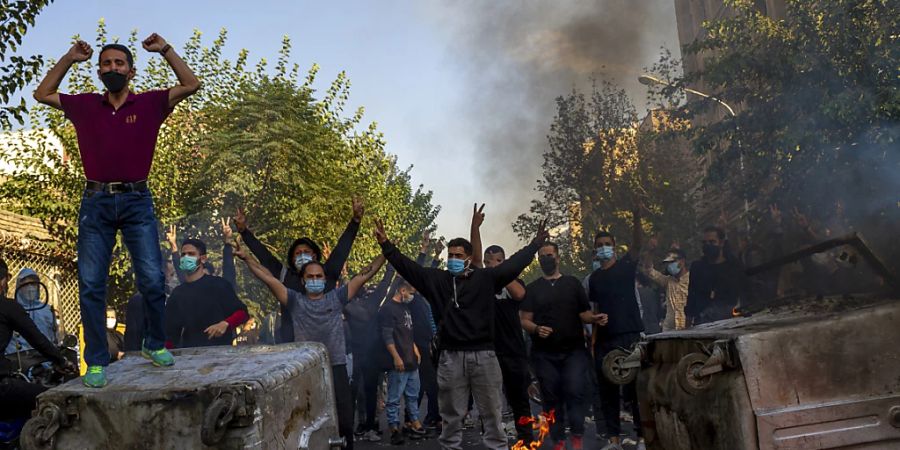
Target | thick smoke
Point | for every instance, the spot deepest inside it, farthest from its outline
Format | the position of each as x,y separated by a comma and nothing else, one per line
521,56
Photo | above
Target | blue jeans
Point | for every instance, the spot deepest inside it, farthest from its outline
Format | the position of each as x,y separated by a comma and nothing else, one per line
562,378
404,383
101,216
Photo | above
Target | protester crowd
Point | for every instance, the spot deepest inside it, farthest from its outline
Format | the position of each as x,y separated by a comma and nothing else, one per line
470,337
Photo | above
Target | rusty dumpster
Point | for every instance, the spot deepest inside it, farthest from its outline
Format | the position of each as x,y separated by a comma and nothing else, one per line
813,371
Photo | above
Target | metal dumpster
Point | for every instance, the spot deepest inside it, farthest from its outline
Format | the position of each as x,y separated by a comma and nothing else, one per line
258,397
814,371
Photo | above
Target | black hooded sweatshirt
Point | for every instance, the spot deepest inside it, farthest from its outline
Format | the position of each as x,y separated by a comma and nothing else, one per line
468,299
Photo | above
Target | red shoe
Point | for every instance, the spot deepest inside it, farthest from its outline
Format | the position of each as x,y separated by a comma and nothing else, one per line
576,443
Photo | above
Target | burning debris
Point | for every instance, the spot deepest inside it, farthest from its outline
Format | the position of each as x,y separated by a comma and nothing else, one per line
540,423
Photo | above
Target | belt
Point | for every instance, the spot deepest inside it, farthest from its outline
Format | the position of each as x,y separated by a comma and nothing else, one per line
116,187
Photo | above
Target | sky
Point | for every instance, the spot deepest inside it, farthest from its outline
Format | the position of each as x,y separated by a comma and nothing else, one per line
463,90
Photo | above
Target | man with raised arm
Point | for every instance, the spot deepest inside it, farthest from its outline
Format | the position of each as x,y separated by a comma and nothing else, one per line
117,133
317,317
465,296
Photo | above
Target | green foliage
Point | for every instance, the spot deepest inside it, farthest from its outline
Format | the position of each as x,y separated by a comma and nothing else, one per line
15,18
251,136
818,110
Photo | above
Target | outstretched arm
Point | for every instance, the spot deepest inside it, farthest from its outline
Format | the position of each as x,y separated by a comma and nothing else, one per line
475,236
269,261
48,91
414,273
637,232
507,272
187,81
260,272
364,276
336,260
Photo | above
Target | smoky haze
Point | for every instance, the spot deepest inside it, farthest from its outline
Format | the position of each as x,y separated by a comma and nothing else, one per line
518,57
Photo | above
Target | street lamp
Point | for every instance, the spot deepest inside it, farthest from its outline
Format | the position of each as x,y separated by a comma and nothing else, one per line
647,80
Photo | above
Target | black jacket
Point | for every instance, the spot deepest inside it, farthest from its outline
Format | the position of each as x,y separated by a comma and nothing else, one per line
468,300
14,318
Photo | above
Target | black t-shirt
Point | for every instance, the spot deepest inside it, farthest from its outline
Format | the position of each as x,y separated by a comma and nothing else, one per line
194,307
612,290
557,304
508,338
396,319
714,290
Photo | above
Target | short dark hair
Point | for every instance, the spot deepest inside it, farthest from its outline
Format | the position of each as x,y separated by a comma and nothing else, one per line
714,229
4,271
128,56
604,233
403,284
311,263
197,243
550,244
461,242
495,249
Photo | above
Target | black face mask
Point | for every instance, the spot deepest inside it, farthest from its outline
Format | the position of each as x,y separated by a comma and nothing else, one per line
711,251
548,264
114,81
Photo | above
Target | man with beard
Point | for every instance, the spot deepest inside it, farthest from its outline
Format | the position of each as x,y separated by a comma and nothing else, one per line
554,309
612,288
117,134
464,295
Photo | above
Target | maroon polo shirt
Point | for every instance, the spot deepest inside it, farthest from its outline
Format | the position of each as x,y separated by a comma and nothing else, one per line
116,145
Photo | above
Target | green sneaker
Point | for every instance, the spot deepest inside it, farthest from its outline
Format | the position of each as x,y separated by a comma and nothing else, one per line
159,358
95,377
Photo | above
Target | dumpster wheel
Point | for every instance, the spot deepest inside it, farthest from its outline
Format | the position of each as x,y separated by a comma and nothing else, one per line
688,373
217,418
613,368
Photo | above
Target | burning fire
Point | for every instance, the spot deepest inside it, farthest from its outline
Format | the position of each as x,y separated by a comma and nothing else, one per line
735,312
542,424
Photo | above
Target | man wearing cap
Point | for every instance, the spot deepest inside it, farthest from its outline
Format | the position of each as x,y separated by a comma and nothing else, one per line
117,133
675,281
204,310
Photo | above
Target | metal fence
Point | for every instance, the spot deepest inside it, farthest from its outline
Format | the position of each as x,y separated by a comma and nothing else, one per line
57,272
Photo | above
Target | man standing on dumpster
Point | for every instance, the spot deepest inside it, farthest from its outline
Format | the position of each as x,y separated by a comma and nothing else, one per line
117,133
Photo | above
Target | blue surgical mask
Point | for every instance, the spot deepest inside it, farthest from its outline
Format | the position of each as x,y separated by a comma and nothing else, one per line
595,264
302,259
188,264
673,268
315,286
407,298
606,252
456,266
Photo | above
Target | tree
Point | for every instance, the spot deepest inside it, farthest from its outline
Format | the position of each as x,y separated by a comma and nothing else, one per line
589,173
15,18
818,103
251,136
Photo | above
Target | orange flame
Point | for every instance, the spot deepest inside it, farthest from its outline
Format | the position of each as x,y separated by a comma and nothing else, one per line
735,312
542,424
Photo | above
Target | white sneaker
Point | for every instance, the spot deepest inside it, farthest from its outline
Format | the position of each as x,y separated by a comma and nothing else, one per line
371,436
641,445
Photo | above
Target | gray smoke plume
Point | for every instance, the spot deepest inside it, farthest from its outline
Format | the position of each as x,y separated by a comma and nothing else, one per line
521,56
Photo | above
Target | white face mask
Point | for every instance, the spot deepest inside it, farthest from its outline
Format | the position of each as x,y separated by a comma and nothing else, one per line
110,323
